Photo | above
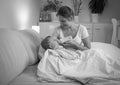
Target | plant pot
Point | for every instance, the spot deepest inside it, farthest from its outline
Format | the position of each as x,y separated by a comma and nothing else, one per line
84,16
95,18
76,19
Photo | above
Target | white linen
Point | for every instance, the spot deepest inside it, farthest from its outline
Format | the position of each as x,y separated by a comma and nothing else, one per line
107,48
94,63
28,77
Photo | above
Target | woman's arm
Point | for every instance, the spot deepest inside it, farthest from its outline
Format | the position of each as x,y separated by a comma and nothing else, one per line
77,46
85,38
87,44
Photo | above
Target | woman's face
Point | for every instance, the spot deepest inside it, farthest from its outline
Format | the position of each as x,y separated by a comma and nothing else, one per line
64,22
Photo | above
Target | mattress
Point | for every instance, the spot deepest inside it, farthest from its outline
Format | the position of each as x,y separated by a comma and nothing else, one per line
28,77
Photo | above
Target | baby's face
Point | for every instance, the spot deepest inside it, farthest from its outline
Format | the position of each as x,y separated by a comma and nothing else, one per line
53,43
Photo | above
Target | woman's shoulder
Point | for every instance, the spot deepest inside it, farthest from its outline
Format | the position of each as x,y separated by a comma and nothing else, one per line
82,27
57,28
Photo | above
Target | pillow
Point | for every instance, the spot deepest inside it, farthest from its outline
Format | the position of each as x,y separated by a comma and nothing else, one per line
13,56
31,41
18,49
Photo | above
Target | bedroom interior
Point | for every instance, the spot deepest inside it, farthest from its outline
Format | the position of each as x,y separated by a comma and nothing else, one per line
21,32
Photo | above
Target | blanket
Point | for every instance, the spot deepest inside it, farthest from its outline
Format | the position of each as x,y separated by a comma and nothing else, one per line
62,65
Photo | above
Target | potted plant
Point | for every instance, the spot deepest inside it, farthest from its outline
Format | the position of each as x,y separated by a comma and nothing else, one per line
97,7
52,6
77,7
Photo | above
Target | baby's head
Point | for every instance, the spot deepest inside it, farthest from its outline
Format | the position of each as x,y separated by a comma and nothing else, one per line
49,43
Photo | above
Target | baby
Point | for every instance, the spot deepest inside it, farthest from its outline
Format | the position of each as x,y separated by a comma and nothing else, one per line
52,43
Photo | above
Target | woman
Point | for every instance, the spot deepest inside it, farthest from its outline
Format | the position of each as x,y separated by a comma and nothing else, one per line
92,63
68,29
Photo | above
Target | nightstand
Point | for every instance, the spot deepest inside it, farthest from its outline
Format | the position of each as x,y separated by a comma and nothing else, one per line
102,32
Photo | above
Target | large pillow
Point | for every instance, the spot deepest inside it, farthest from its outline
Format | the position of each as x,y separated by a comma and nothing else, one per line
18,49
13,56
31,41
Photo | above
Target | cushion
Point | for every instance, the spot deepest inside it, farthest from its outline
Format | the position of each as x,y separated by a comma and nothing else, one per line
13,56
31,41
18,49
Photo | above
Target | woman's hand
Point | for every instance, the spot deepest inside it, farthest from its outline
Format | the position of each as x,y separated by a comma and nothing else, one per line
70,44
73,44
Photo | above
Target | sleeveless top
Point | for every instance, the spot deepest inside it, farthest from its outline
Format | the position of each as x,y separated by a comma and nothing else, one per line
81,34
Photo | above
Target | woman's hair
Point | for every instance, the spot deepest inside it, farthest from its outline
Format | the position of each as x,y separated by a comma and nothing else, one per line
45,43
65,12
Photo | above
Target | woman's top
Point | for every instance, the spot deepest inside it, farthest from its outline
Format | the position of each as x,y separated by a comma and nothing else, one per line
81,34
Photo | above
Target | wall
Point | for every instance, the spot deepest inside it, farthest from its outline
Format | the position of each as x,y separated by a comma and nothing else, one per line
19,14
22,14
110,11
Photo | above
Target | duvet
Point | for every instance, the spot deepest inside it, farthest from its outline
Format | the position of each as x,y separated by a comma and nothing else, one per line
100,62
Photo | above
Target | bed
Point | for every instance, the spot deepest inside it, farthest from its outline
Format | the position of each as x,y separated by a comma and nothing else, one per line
29,77
19,59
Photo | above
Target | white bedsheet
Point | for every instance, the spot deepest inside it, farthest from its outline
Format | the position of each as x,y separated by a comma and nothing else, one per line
101,62
28,77
107,48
